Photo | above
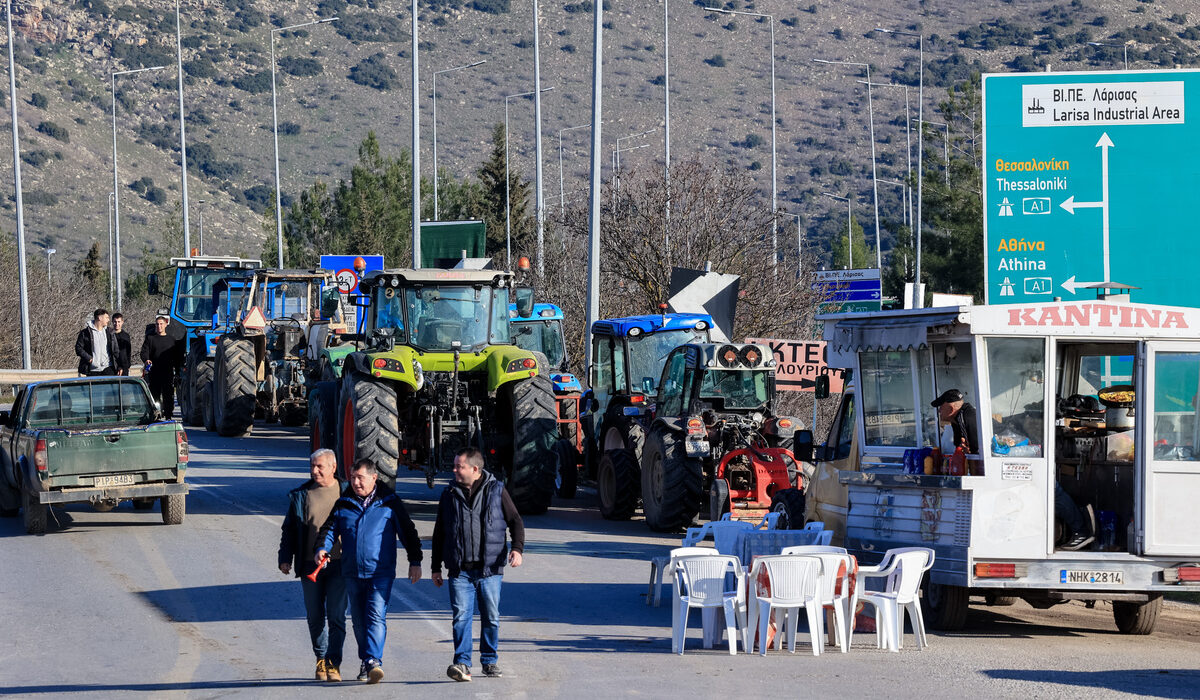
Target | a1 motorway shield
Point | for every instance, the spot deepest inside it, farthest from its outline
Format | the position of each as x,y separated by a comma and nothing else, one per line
1089,179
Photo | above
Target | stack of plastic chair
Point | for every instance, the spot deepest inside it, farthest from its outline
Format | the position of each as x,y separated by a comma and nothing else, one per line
667,563
903,569
791,583
702,582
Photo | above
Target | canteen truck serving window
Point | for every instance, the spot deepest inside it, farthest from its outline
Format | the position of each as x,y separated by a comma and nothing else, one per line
1017,368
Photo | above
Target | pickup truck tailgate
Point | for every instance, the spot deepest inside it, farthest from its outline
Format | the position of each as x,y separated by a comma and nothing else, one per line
143,453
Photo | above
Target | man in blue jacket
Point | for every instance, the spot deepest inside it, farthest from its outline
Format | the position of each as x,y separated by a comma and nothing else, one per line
470,538
368,519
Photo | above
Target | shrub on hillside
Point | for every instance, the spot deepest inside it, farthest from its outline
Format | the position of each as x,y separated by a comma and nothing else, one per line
55,131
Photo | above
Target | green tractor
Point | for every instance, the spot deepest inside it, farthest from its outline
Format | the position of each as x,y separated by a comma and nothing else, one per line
433,370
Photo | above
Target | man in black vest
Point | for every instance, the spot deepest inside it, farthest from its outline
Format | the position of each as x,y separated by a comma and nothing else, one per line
470,537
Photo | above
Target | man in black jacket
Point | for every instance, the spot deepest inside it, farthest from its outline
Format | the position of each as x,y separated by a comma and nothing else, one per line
161,359
469,536
96,347
124,345
953,410
309,506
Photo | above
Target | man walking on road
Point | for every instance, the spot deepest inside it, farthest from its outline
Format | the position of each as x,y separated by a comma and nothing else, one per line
309,506
96,347
124,345
161,359
469,537
369,518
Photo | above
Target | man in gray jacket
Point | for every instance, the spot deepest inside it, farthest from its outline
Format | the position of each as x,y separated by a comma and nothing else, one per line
475,517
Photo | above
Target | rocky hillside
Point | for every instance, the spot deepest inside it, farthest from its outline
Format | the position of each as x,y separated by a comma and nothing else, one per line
339,80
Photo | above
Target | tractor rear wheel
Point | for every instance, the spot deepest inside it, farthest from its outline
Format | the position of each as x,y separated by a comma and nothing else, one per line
617,483
322,421
531,479
193,391
567,480
671,483
234,387
368,425
789,503
718,499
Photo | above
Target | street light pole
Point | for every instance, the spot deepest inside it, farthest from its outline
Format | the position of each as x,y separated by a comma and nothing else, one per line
918,300
26,358
116,184
774,180
507,177
593,273
435,159
275,133
874,172
187,240
540,200
667,126
907,144
562,194
111,272
200,211
849,225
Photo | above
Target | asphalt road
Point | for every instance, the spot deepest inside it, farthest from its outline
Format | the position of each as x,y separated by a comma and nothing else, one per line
116,604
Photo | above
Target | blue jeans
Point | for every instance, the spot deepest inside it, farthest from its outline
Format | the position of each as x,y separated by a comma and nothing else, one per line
325,600
467,591
368,608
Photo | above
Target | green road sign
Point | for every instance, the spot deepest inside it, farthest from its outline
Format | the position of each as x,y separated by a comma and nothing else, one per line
1088,180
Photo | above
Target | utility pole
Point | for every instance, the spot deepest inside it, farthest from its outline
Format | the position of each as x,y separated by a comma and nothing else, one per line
540,213
593,283
26,360
187,239
416,147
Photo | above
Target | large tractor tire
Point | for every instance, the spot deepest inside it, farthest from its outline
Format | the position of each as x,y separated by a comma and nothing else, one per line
368,425
789,503
566,482
33,514
943,606
322,417
671,483
193,393
617,483
531,479
234,387
1137,618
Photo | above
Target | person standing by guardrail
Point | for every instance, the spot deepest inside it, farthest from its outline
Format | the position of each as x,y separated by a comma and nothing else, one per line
161,359
96,346
124,345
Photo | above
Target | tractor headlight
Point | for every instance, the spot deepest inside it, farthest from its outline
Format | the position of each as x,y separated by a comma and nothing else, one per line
635,332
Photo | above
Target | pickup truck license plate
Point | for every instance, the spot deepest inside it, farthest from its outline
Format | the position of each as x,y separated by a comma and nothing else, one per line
1109,578
115,480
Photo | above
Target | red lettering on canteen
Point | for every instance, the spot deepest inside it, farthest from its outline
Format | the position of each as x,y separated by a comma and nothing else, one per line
1098,315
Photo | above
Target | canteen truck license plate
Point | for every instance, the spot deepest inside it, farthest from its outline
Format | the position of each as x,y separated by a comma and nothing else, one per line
1114,578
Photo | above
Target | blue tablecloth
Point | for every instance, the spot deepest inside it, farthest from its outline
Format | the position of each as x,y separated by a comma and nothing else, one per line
752,543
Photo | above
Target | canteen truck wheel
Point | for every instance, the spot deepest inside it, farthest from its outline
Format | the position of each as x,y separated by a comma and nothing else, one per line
943,606
1137,618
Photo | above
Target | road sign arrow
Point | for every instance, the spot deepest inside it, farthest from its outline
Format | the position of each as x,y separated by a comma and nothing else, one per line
1071,205
1104,141
1071,285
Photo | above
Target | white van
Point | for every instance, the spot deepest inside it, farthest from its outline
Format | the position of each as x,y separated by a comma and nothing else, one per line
1035,375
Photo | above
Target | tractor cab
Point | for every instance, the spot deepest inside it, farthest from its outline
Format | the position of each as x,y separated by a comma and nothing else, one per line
542,332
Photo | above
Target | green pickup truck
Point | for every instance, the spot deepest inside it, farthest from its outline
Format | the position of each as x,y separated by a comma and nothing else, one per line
98,440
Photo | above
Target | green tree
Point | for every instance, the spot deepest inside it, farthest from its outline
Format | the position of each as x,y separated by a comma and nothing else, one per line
170,242
863,256
91,271
491,179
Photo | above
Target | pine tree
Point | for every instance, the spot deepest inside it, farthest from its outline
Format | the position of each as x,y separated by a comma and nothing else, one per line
491,177
91,271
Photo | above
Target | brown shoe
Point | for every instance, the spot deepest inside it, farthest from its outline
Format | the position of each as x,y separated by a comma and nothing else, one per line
322,672
332,673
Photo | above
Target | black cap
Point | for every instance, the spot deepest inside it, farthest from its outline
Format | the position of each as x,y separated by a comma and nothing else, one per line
946,397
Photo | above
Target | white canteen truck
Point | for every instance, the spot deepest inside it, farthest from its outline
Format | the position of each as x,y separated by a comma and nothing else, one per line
1088,406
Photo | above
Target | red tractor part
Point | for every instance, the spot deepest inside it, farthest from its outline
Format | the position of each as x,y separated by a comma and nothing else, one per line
770,474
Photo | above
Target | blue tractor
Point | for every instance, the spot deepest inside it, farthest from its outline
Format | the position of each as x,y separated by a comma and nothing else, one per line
542,333
628,355
191,312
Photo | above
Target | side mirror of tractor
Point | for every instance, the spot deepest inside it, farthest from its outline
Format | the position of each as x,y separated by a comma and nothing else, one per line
152,287
802,445
524,301
822,392
330,302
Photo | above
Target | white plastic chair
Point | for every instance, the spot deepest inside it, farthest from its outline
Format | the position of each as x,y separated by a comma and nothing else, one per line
700,582
793,582
834,596
660,564
813,549
903,569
